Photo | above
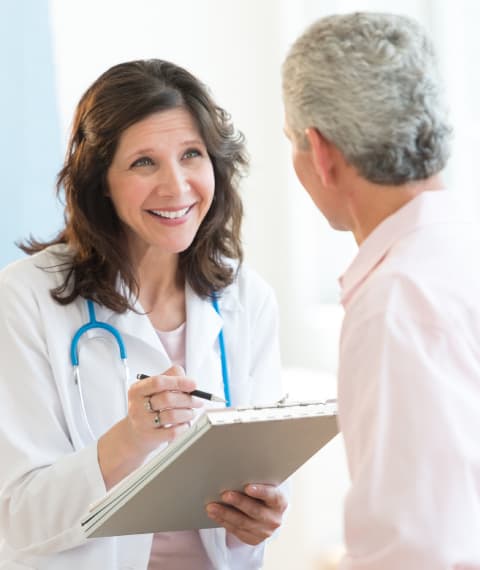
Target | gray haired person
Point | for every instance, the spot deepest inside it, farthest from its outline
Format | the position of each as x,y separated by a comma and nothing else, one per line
365,115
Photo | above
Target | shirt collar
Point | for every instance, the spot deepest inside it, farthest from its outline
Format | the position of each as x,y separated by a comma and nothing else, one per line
429,207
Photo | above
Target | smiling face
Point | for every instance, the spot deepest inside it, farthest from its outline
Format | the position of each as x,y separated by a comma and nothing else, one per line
161,182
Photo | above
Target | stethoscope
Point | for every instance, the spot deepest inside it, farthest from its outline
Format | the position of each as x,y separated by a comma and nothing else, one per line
94,324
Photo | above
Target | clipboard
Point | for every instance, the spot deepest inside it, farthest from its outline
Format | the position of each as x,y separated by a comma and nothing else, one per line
224,449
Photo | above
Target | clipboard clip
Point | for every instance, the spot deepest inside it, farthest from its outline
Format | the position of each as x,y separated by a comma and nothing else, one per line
283,400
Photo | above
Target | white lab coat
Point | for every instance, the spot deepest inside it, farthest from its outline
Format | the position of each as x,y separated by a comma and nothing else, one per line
50,473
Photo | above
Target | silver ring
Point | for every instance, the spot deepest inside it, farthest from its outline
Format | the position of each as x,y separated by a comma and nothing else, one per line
147,404
156,419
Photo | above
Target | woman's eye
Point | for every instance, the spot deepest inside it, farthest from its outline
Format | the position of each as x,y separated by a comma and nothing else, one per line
143,161
191,153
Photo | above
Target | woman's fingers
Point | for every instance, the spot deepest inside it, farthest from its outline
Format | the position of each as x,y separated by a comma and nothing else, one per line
169,417
160,407
251,516
173,399
161,383
167,390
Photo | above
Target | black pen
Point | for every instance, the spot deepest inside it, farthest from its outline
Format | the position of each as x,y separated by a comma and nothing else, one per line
197,393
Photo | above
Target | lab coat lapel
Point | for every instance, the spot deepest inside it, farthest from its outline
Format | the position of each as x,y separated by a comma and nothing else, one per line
135,324
138,326
203,327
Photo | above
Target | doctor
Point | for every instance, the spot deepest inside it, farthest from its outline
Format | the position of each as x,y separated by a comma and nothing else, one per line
150,256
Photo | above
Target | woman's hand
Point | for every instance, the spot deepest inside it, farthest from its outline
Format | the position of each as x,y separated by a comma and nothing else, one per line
251,516
159,409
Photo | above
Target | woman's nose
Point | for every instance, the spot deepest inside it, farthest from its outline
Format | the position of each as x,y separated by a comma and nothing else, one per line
172,180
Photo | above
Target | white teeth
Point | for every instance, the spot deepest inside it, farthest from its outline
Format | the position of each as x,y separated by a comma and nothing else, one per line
171,215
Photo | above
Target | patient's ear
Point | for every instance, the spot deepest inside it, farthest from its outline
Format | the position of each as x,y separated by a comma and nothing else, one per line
322,155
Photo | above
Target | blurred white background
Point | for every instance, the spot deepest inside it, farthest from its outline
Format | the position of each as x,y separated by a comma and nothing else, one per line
52,50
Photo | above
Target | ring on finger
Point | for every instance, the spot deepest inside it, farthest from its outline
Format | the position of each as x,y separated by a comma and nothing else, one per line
156,419
147,404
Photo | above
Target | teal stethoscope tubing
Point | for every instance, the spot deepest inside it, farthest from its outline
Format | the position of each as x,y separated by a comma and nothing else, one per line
94,324
223,356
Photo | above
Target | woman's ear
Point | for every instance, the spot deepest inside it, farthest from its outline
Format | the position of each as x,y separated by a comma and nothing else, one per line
322,155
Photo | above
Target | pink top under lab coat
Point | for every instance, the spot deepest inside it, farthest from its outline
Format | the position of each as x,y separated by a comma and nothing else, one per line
182,550
409,391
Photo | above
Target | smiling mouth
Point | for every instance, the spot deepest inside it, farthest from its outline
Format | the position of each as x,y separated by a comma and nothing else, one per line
171,214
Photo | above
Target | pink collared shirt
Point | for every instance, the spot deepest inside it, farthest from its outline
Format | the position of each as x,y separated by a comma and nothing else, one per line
409,391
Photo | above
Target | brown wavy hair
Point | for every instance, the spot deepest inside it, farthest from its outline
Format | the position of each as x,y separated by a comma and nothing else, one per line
122,96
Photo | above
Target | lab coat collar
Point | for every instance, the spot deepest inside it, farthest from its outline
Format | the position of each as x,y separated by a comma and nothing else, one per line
429,207
132,324
204,325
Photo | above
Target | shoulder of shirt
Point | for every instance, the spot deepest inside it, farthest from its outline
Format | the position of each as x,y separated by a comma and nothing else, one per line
394,295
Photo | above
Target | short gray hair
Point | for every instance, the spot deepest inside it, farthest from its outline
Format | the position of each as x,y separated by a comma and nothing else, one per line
368,82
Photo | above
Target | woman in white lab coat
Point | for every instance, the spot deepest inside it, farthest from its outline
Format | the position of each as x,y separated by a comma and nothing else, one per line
152,225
